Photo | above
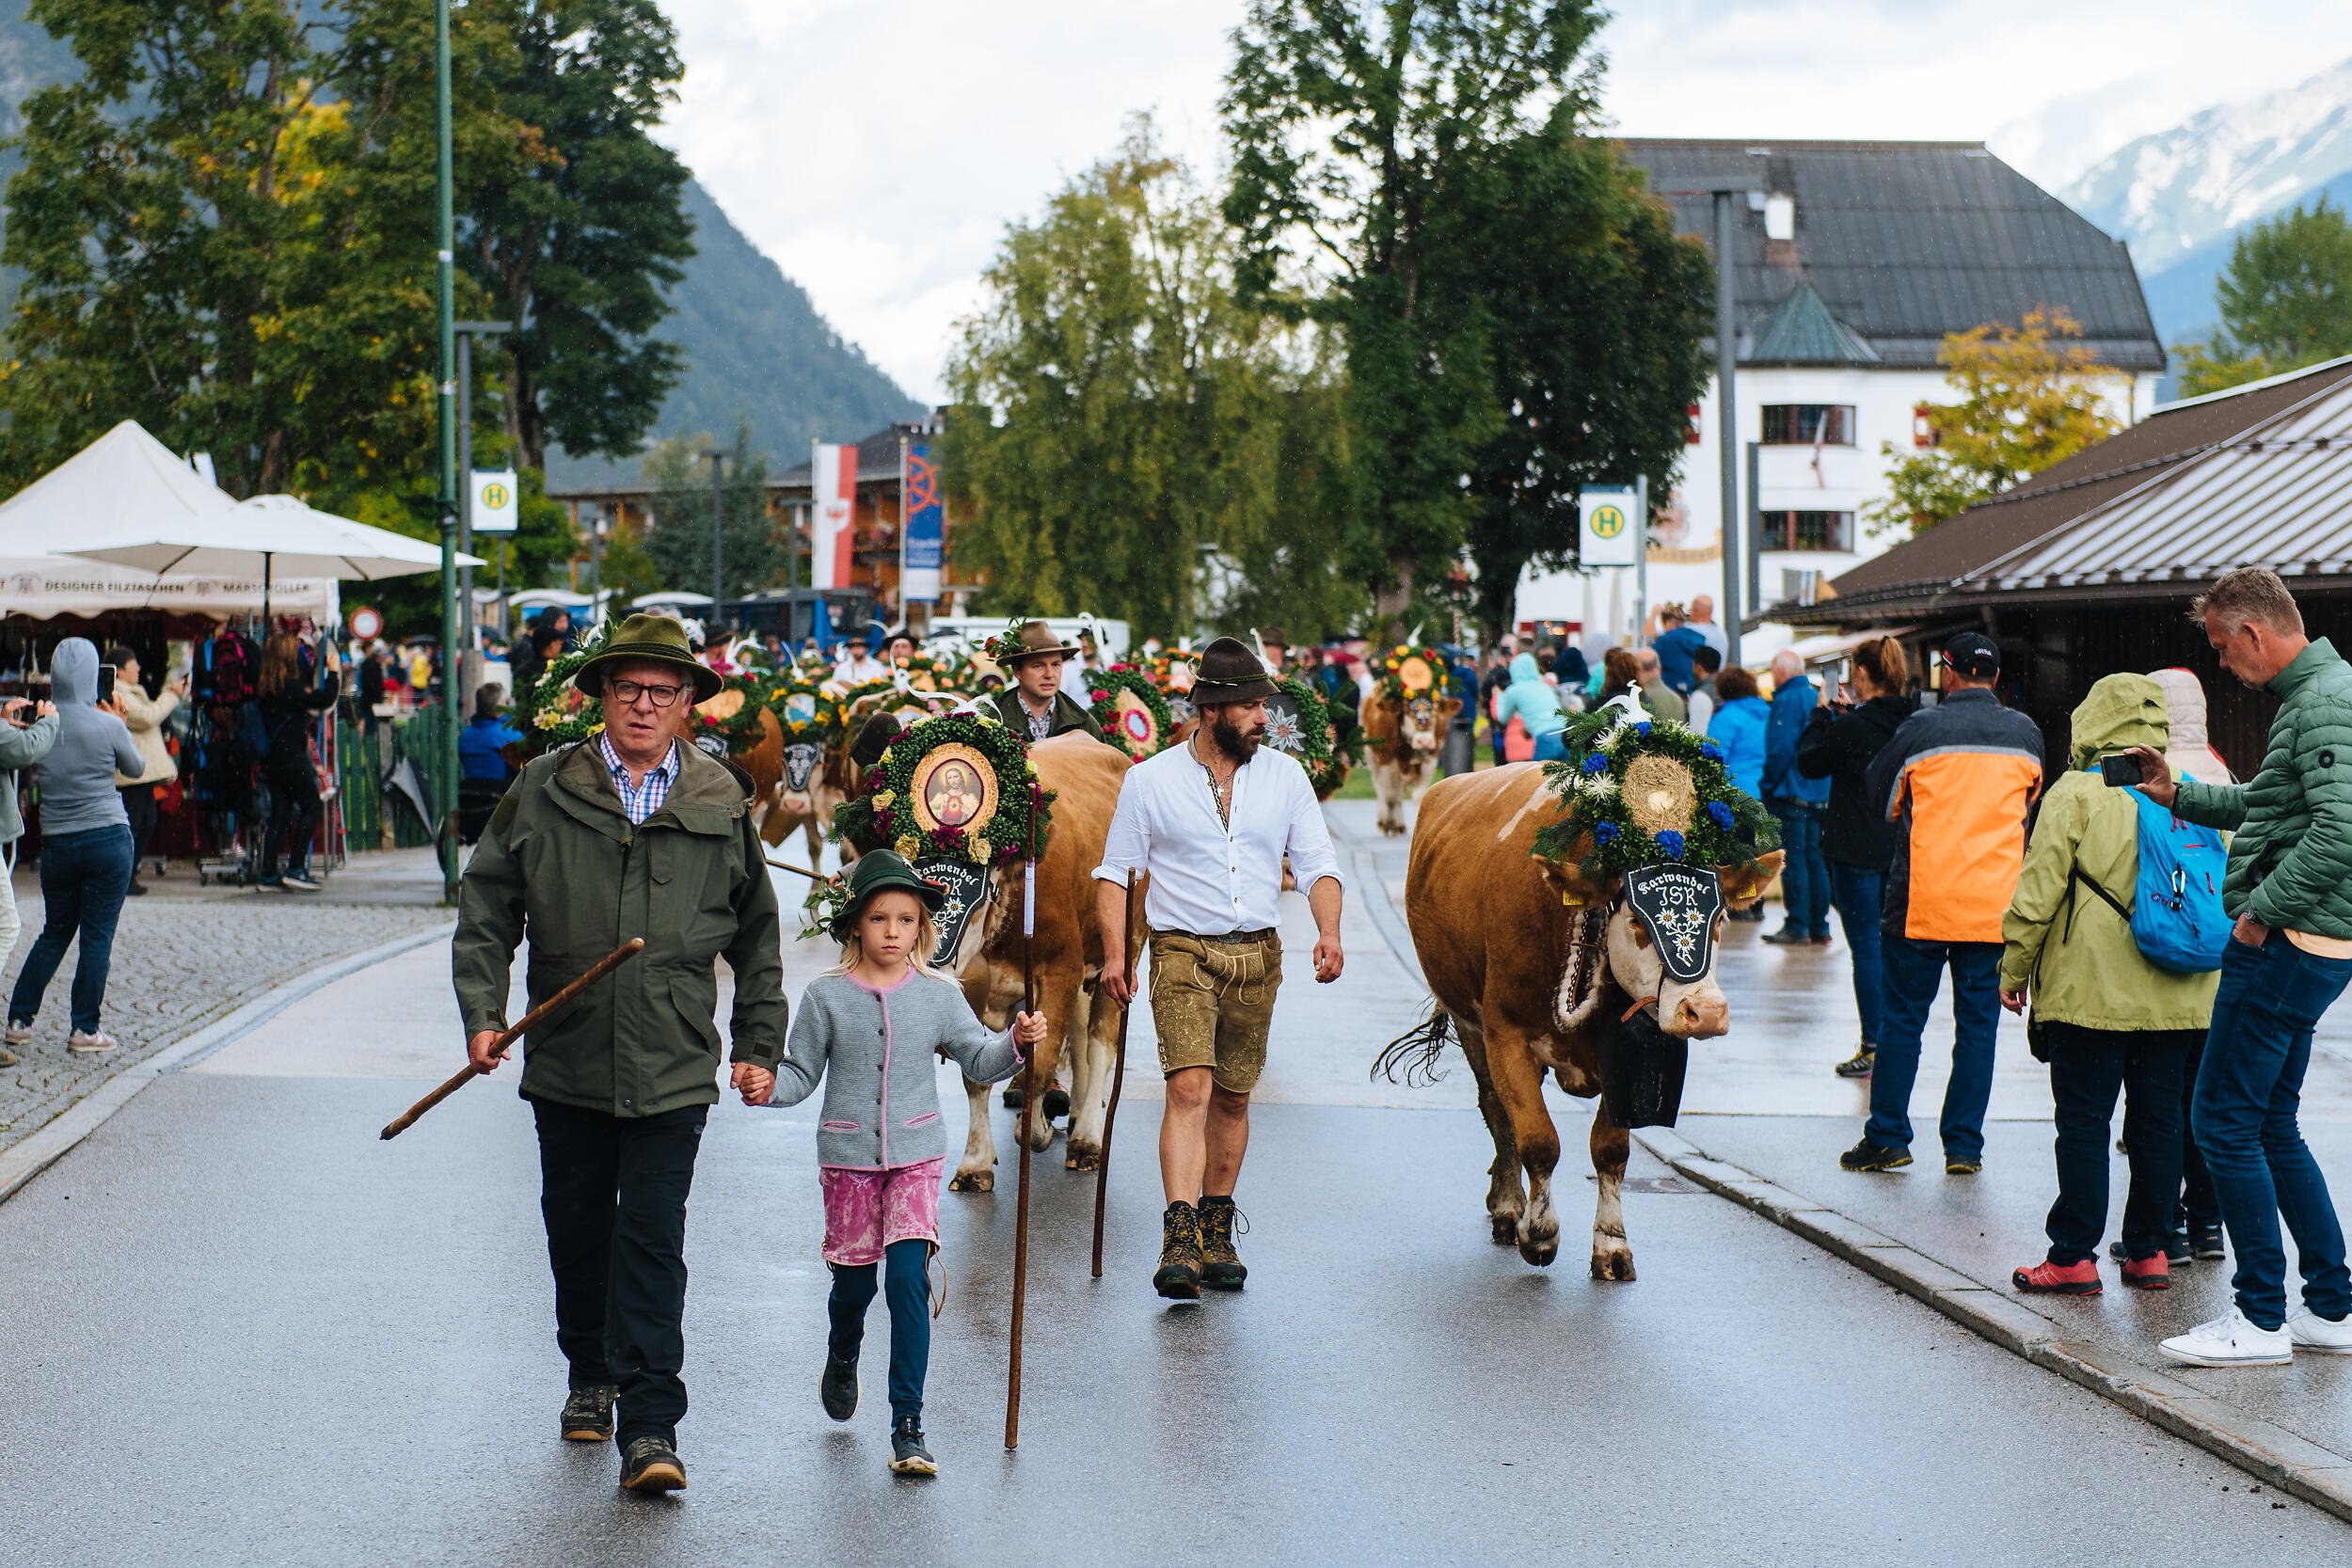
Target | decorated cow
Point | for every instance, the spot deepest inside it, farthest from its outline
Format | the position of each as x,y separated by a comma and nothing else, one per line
1404,723
1298,723
1566,917
813,775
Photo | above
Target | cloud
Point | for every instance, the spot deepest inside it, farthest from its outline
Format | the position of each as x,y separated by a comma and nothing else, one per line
878,152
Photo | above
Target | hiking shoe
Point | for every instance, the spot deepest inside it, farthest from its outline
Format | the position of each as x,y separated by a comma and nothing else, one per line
300,880
2231,1340
90,1043
652,1465
908,1456
19,1034
1221,1268
1866,1155
2309,1331
2176,1251
838,1389
1861,1064
1786,937
2152,1273
1818,939
1962,1164
2058,1279
588,1414
2205,1241
136,890
1179,1277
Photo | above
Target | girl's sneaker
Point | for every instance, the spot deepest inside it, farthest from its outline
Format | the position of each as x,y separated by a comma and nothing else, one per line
2152,1273
90,1043
2059,1279
908,1456
838,1389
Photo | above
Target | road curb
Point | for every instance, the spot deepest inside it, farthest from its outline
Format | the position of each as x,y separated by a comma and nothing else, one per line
21,1162
2272,1455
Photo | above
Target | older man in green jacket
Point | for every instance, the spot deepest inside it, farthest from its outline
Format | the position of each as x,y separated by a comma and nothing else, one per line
2289,887
628,834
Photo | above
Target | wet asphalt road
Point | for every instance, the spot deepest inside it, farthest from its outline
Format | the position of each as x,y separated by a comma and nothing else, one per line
240,1330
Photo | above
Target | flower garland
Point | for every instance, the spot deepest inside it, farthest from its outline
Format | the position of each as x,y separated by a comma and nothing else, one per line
1103,687
1310,738
825,723
736,722
882,819
1646,793
1391,684
1162,670
556,712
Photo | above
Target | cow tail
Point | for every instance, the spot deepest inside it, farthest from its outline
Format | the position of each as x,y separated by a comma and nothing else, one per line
1417,1050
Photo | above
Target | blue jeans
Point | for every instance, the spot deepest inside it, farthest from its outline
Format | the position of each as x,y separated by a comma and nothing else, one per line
1803,874
84,878
1914,973
906,1284
1856,893
2249,1088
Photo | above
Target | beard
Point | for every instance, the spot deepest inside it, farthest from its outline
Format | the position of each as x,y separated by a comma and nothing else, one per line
1232,735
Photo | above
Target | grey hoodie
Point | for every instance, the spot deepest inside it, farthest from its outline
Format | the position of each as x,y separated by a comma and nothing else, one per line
77,777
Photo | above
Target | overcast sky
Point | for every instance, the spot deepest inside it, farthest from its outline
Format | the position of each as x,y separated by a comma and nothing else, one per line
877,152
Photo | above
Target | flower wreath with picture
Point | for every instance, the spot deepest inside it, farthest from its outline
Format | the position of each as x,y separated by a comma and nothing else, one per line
1413,669
1308,737
795,695
883,818
555,711
1646,792
1121,726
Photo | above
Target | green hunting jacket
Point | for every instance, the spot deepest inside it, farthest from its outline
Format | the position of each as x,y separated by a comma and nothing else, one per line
2291,862
562,866
1067,714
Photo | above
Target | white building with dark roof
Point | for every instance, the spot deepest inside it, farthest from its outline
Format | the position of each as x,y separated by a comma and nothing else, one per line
1851,265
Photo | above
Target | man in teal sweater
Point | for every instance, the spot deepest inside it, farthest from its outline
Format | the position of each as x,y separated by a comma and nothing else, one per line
2289,957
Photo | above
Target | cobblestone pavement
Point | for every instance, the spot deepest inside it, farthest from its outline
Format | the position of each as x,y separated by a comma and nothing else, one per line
185,955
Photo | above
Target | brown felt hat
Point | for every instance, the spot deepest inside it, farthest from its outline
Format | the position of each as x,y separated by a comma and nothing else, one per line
1036,638
1229,673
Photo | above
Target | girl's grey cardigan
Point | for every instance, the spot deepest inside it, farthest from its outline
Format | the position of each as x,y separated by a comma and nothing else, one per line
873,1049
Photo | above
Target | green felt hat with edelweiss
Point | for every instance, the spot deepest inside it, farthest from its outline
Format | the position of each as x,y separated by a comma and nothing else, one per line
877,872
644,638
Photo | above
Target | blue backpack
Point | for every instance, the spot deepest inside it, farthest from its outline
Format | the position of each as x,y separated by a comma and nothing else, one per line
2175,913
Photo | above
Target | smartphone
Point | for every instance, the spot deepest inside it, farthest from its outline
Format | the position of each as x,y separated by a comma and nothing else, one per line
106,683
2121,770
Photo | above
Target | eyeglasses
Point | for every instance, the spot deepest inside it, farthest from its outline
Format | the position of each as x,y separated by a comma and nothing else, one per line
627,692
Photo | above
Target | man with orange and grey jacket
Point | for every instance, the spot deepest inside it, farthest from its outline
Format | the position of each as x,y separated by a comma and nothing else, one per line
1957,781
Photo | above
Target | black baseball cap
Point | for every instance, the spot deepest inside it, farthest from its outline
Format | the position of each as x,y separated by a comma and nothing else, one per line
1972,654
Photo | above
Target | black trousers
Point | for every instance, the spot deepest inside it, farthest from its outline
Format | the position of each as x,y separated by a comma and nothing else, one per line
139,804
2087,1068
294,793
612,1190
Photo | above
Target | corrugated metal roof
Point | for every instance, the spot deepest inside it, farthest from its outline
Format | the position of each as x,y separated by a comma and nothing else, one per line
1907,241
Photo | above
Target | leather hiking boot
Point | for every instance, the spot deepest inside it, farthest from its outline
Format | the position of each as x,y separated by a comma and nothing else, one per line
838,1389
652,1465
1178,1279
588,1414
1221,1268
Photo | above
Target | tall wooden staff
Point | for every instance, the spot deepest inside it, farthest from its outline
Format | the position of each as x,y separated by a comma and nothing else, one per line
1021,1132
1119,1071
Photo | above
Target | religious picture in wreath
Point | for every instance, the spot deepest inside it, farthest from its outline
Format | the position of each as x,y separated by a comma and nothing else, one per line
954,788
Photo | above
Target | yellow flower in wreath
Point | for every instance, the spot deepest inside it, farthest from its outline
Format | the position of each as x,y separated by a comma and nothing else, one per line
982,851
908,847
882,798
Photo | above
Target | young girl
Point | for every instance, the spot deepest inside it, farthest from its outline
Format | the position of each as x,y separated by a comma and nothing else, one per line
876,1021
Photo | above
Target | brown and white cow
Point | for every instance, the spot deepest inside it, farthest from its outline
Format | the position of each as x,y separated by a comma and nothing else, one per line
1402,736
813,778
1504,942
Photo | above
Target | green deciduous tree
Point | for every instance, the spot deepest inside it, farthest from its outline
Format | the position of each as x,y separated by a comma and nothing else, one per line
679,538
2285,299
1121,416
580,244
2029,399
1352,129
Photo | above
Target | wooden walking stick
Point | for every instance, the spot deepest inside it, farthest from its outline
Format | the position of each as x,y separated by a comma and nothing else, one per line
531,1020
797,870
1118,1070
1021,1133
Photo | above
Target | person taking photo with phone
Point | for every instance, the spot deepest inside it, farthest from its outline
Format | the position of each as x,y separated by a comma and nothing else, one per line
27,731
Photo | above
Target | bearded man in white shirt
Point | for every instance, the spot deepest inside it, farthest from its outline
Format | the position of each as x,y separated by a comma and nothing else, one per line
1210,822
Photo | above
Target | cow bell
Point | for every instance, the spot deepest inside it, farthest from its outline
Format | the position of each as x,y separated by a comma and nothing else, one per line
1642,1069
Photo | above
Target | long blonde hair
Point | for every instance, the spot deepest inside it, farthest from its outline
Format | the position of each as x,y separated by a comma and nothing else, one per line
926,942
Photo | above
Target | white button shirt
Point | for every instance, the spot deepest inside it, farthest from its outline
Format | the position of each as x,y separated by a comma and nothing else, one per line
1208,878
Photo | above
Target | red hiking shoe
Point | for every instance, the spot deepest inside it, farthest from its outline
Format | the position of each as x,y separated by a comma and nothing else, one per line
2062,1279
2152,1273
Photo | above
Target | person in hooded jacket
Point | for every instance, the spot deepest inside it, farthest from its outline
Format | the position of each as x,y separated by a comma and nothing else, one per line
1740,717
85,850
1857,841
2104,1018
1532,700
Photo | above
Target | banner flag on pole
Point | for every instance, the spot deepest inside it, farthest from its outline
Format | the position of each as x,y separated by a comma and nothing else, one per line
832,525
924,536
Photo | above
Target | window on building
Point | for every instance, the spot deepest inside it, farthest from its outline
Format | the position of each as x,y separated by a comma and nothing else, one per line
1923,431
1806,424
1807,530
1690,430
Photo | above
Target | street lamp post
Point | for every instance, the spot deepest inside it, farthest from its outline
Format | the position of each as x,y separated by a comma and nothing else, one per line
718,547
445,259
466,332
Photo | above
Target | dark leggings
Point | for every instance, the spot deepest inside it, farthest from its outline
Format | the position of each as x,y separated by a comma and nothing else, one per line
294,793
906,1280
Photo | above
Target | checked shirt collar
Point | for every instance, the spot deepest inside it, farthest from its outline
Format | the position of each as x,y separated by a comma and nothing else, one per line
641,801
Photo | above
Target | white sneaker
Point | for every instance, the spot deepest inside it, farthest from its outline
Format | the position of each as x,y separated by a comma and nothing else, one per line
91,1043
2230,1340
2309,1331
18,1034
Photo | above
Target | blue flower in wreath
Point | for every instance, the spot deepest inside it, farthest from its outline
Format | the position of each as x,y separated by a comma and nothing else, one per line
1721,813
1596,763
1671,843
1642,727
1604,833
1712,753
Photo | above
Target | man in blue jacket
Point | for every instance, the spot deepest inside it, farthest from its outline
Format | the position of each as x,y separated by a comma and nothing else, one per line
1798,804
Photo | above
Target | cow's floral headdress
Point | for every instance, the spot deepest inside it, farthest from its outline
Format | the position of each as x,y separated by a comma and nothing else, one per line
1646,792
